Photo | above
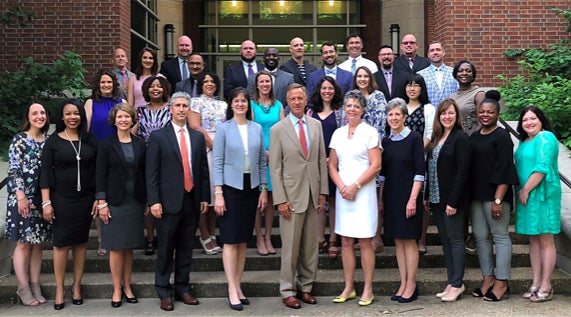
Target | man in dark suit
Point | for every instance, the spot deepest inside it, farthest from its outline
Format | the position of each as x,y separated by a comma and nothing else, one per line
176,69
236,75
178,190
390,83
297,66
329,56
196,67
409,62
281,79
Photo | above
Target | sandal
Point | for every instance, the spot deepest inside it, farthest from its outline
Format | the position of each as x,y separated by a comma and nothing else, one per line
101,252
491,296
37,292
530,292
150,248
333,251
261,246
378,247
217,248
25,296
478,292
205,247
541,296
322,246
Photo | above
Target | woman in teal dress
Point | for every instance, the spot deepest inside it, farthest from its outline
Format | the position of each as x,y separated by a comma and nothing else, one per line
538,203
267,111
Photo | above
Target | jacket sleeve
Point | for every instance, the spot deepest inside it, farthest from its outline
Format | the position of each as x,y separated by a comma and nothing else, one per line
462,157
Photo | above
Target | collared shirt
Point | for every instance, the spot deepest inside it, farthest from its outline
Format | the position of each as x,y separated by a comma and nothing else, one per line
331,72
254,67
295,122
435,92
399,137
120,75
181,64
186,137
360,61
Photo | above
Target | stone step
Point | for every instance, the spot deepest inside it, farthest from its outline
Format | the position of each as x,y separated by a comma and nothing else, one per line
431,238
265,283
254,262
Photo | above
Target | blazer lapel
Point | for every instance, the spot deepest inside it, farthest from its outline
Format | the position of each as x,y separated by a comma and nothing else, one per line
290,131
116,146
171,136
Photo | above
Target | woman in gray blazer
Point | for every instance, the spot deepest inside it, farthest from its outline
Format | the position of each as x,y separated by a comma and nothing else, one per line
239,169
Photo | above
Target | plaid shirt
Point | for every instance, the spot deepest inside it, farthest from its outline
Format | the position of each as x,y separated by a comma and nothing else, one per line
449,83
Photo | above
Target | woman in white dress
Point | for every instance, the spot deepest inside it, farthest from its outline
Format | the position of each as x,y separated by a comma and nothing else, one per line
354,161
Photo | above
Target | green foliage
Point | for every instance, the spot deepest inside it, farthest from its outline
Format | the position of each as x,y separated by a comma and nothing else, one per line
16,15
63,78
546,83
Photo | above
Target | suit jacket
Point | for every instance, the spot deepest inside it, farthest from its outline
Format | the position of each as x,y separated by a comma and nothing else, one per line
171,70
110,171
234,76
401,64
281,81
343,78
295,178
291,67
449,83
164,171
228,155
453,170
122,89
398,84
186,86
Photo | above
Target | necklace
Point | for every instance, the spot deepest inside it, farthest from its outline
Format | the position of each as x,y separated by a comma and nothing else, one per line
265,109
77,158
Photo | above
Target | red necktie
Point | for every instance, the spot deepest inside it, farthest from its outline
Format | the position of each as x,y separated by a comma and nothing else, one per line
302,140
125,79
185,163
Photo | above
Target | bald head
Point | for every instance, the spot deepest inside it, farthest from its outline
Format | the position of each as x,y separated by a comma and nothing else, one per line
120,59
297,49
184,47
248,51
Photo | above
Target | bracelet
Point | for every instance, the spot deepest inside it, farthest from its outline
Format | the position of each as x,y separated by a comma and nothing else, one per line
99,207
45,203
218,192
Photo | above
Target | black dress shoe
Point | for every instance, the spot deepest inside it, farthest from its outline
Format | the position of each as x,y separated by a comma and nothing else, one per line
237,307
244,301
116,304
130,300
59,306
74,301
395,298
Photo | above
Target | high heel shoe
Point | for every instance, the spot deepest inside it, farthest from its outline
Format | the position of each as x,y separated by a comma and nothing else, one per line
412,297
237,307
25,297
542,296
74,301
37,292
479,292
244,301
217,248
491,296
204,244
130,300
451,298
530,292
59,306
116,304
340,299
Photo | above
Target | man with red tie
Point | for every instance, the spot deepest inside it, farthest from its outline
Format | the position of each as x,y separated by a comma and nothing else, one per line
178,190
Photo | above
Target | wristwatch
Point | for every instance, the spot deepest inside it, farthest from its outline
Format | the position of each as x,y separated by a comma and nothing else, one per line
498,201
358,185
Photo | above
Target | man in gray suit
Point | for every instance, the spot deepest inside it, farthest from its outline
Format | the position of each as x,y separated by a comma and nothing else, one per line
298,171
281,79
120,61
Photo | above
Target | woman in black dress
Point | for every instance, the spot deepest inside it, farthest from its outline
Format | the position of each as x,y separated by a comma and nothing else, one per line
403,176
67,183
239,168
121,198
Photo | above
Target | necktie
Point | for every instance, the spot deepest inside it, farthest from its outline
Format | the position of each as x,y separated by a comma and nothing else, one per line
332,72
410,62
184,70
389,80
250,71
125,79
302,139
439,77
353,66
302,71
185,163
194,84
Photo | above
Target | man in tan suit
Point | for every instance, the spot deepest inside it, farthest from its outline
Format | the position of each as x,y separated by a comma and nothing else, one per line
299,179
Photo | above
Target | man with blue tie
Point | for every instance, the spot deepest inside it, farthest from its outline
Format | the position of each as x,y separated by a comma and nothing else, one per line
329,57
355,60
438,76
176,69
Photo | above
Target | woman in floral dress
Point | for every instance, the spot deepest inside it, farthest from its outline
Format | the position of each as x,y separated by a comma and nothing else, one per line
24,221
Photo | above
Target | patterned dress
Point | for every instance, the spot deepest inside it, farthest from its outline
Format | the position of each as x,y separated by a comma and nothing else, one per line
23,175
152,120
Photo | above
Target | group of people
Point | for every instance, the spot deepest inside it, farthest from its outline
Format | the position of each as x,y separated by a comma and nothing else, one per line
368,150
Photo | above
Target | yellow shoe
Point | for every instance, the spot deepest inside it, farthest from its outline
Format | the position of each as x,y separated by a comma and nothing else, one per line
340,299
364,302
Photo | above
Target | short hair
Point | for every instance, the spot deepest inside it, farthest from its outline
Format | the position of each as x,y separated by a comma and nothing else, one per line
60,125
256,91
139,65
328,43
96,92
124,107
357,95
233,95
419,80
372,82
201,79
457,66
545,123
296,86
385,46
317,101
25,123
181,94
354,35
397,103
162,81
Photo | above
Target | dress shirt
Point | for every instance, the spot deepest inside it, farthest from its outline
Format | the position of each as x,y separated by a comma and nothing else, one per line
181,64
187,138
331,72
254,67
361,61
294,121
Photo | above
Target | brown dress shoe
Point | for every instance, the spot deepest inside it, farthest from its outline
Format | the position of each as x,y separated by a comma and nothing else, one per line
166,304
306,298
187,299
292,302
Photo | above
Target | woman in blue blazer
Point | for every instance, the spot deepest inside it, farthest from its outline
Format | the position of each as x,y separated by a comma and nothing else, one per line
239,169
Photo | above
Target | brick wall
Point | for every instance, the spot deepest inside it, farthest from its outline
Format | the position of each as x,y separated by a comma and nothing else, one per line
92,28
480,31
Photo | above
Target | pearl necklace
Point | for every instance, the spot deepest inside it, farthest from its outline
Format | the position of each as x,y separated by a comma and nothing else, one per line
77,158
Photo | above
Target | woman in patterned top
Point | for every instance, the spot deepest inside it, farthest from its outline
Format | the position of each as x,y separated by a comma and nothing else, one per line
154,116
24,222
206,112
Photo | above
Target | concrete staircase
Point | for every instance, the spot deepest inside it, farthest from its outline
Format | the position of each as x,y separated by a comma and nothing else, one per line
261,276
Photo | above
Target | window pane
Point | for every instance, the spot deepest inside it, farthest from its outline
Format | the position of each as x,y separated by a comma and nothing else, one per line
282,12
152,31
230,39
138,20
231,12
280,38
335,35
354,12
331,12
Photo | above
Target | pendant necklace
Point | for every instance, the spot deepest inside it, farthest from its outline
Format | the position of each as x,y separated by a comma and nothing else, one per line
77,158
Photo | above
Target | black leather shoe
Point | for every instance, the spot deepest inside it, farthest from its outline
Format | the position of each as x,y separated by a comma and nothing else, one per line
237,307
116,304
130,300
59,306
244,301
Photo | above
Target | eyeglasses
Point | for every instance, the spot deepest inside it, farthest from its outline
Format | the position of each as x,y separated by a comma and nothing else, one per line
385,54
194,63
412,86
408,43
